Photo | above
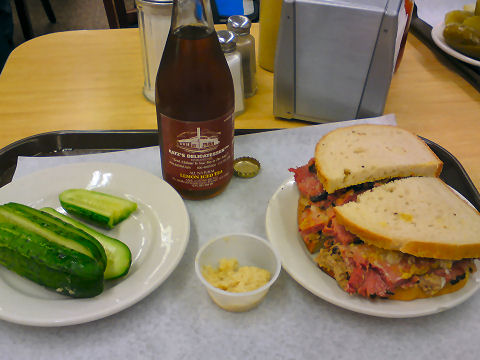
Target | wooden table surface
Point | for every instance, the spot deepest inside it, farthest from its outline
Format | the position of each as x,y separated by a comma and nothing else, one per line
93,79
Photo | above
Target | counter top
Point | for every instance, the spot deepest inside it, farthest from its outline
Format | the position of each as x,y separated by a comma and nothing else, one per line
92,79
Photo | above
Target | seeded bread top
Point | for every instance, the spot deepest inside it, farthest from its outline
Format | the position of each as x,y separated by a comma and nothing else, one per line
363,153
420,216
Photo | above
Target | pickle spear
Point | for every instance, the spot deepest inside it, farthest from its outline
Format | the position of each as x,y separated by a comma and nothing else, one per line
462,31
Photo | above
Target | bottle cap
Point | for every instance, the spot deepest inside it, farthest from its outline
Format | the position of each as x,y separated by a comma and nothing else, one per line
246,167
227,40
239,24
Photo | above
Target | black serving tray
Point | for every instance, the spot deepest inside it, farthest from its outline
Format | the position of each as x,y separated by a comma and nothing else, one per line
65,143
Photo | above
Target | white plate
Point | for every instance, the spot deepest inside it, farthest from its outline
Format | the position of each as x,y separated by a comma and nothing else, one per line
282,231
437,36
156,233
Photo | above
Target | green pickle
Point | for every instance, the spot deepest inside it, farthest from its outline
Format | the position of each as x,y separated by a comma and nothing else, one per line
457,16
473,22
462,31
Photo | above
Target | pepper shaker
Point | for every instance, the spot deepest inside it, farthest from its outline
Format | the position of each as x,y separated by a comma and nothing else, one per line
241,25
228,43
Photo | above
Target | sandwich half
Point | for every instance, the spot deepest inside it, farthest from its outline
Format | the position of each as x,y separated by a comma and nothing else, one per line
349,161
407,239
354,162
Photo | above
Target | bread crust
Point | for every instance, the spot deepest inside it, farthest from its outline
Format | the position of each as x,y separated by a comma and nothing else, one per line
417,246
358,146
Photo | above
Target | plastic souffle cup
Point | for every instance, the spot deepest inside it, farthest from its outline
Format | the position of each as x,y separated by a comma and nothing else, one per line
249,250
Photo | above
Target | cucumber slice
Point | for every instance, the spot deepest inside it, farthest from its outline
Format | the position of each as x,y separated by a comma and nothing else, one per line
104,209
119,257
47,263
53,229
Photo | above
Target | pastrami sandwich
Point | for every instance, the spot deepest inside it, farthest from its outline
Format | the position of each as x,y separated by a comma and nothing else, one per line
381,221
407,239
349,161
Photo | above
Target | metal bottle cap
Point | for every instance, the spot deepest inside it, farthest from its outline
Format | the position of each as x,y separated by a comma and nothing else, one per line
228,40
246,167
239,24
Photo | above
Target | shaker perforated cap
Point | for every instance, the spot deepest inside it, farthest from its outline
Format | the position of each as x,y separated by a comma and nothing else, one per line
227,40
239,24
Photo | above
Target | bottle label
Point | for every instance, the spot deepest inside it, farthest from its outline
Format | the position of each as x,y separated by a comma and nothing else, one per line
197,155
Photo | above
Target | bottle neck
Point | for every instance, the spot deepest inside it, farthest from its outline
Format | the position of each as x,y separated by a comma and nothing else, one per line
191,13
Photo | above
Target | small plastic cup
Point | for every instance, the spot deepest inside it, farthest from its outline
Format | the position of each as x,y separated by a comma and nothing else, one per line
249,250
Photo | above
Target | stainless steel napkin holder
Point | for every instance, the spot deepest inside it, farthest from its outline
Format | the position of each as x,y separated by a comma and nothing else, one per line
335,59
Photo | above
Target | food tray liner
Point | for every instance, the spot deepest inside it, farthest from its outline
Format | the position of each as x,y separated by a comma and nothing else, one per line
65,143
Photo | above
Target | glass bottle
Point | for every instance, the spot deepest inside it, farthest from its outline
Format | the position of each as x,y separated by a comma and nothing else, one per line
240,25
154,18
228,43
408,6
195,103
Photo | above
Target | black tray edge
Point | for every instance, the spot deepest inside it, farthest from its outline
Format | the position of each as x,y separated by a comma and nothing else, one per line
454,174
75,142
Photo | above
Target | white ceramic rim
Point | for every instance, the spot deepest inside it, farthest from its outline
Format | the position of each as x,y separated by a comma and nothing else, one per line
16,306
438,39
283,234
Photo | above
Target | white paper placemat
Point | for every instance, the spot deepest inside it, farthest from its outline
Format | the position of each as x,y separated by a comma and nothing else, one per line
245,200
179,321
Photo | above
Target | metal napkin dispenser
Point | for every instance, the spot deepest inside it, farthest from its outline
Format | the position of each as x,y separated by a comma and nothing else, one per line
335,58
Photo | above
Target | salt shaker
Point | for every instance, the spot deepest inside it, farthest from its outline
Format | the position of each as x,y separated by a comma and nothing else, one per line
240,25
228,43
154,18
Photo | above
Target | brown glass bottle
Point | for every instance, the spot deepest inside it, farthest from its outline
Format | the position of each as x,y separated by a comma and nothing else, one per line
195,104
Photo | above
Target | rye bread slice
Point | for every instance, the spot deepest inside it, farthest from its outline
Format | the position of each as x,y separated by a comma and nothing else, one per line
421,216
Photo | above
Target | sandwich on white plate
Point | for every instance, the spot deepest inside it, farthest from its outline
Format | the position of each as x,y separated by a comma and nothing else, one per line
379,219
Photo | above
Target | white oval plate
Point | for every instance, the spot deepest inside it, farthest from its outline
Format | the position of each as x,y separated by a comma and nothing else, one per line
437,36
282,231
156,233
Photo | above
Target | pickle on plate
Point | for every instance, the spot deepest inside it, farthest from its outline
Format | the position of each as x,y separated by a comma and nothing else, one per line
462,31
100,208
457,16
